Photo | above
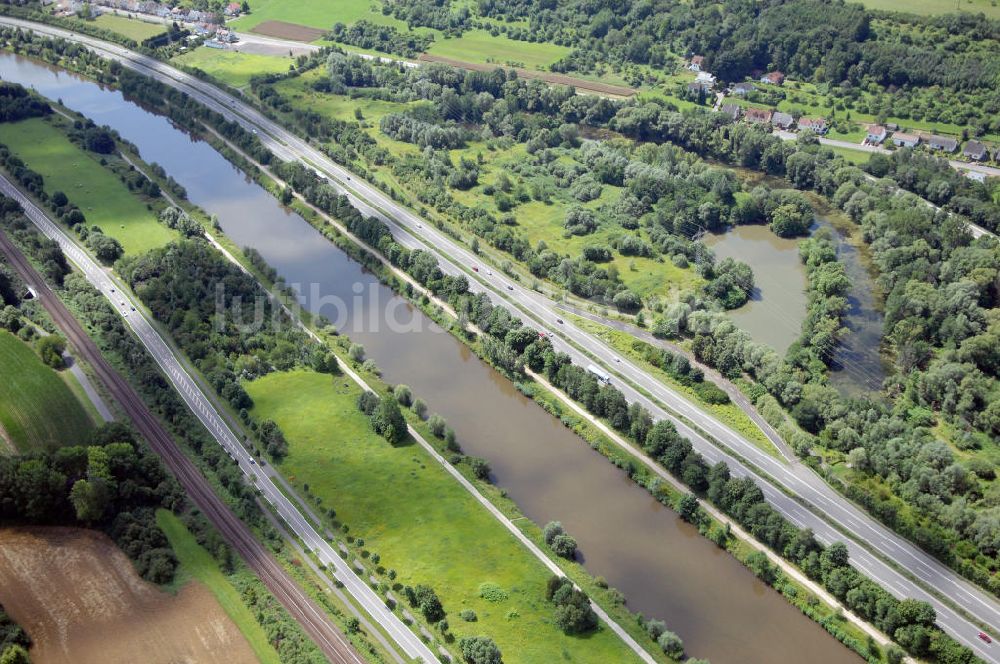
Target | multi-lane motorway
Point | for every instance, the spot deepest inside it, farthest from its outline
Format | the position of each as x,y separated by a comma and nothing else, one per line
215,424
814,504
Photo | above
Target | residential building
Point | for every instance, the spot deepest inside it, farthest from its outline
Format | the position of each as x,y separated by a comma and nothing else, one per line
696,62
976,150
904,140
732,110
942,143
817,125
782,120
876,134
743,89
758,115
706,78
774,78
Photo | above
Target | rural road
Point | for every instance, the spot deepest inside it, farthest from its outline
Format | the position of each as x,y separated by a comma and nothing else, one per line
816,505
216,425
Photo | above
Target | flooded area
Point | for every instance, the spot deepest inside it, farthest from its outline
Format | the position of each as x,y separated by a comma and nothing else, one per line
665,569
777,306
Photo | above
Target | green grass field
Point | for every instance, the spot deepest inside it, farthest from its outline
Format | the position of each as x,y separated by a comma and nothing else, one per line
321,14
479,46
131,28
38,411
103,198
931,7
198,564
419,520
232,67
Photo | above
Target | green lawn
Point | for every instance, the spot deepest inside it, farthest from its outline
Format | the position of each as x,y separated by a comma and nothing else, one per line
103,198
232,67
37,408
419,520
131,28
198,564
480,46
858,157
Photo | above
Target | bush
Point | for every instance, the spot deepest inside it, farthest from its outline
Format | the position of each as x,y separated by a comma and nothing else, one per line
564,546
480,467
437,425
50,349
356,352
388,422
573,614
671,644
480,650
468,615
403,395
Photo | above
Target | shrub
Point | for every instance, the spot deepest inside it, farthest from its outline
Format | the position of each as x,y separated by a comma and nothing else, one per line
671,644
480,467
480,650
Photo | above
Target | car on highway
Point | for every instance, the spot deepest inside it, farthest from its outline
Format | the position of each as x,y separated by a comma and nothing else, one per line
509,287
475,269
985,637
559,320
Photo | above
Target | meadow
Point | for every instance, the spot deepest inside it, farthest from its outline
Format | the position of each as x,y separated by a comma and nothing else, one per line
130,27
321,14
101,196
421,522
479,46
932,7
232,67
38,411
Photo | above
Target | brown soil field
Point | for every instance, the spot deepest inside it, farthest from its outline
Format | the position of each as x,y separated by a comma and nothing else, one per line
293,31
79,598
582,85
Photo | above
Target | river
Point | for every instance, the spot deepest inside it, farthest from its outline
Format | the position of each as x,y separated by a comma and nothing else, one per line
665,569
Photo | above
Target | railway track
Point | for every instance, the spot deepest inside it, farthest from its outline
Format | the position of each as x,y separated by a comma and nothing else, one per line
302,608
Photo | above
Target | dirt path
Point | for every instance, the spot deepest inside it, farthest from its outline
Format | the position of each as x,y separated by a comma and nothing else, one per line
79,598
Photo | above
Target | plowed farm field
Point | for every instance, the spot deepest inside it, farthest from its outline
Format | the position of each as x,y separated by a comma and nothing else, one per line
79,598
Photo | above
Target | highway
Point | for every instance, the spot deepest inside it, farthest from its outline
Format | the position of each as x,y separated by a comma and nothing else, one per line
302,608
816,505
215,424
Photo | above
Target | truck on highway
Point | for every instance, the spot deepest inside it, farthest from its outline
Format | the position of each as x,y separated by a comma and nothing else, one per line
599,374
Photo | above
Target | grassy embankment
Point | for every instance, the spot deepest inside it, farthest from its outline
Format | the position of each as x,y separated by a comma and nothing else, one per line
38,410
419,520
729,414
103,198
198,564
